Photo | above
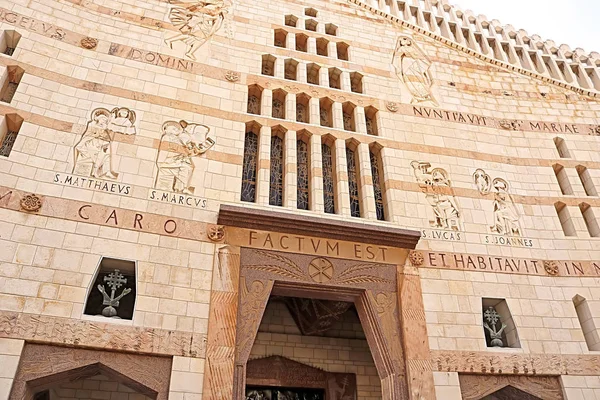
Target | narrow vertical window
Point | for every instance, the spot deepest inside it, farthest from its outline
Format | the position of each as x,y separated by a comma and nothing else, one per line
280,38
586,180
312,73
302,108
561,147
328,180
563,179
268,65
291,20
371,121
377,187
301,42
12,78
348,116
335,78
278,109
325,112
342,51
303,174
586,320
291,69
356,84
254,99
250,164
565,219
277,162
331,29
9,41
9,131
322,47
353,182
590,219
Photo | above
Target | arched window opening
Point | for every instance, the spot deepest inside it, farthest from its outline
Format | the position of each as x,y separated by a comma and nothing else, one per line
322,47
348,115
9,130
356,82
11,79
587,323
335,75
303,164
564,217
329,186
254,99
561,147
371,121
301,42
353,179
280,39
326,112
377,173
268,65
278,109
291,69
9,41
311,12
112,294
591,223
310,25
302,108
586,180
331,29
277,166
312,73
250,164
563,179
342,51
291,20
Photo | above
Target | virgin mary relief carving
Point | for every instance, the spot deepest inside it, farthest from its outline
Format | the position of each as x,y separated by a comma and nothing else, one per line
413,68
198,21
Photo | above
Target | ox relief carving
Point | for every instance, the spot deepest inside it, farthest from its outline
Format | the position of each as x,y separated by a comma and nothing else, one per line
198,21
93,153
413,67
179,144
506,215
437,187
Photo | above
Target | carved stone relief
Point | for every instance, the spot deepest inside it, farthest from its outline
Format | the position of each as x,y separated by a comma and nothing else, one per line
551,267
93,153
506,215
391,106
510,124
413,68
198,21
89,43
436,185
313,316
180,143
31,203
216,233
477,387
416,258
232,76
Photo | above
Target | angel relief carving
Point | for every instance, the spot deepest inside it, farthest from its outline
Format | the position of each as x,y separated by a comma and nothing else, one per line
506,214
198,21
413,68
93,153
436,185
179,144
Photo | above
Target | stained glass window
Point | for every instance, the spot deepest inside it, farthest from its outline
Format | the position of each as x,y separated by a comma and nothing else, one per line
276,183
375,171
249,167
253,105
328,182
7,143
348,122
278,109
301,115
353,183
303,174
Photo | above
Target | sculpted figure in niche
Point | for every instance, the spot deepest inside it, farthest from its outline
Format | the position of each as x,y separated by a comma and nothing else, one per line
506,215
413,67
197,22
93,153
180,143
437,188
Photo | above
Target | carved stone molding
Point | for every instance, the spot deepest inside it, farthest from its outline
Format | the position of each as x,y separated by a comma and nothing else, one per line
42,366
67,331
31,203
473,362
476,387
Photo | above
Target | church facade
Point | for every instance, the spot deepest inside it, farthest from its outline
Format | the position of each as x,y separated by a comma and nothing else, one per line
316,200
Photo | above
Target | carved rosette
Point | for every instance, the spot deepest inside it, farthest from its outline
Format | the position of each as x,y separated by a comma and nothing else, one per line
216,233
391,106
31,203
510,124
232,76
416,258
88,43
597,129
551,267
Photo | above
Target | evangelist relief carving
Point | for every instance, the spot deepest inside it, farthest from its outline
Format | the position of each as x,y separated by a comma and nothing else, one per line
436,185
413,68
180,143
506,215
198,21
93,153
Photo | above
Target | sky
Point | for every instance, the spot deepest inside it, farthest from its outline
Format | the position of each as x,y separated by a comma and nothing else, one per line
574,22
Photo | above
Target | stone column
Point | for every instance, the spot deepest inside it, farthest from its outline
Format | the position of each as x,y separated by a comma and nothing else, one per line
311,45
187,377
290,107
280,68
290,193
332,50
341,171
314,111
324,77
302,74
316,174
337,115
264,166
345,81
290,42
359,120
10,355
266,103
367,195
447,386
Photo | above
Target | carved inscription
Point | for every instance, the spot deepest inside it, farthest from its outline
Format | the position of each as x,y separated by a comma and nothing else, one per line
92,184
32,24
453,116
151,57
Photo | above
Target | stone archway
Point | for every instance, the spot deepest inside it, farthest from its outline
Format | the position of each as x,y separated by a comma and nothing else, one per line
244,279
43,366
